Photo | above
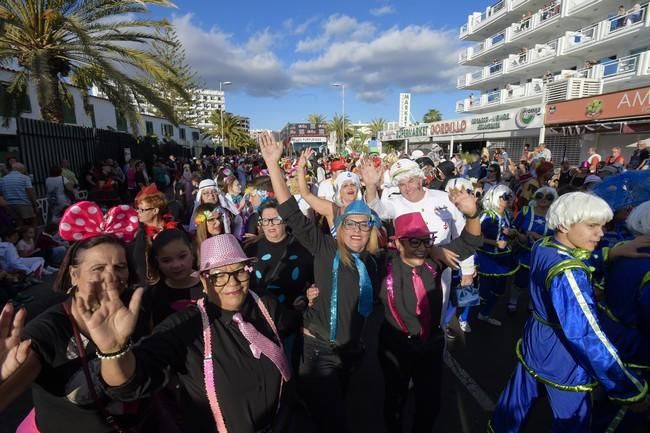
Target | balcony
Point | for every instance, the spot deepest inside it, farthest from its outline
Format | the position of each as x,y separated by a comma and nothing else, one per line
496,17
493,46
521,64
533,23
511,96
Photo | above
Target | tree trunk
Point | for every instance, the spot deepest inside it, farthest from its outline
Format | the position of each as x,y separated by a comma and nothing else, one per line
50,100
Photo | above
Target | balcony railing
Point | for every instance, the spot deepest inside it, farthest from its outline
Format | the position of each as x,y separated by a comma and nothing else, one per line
533,21
490,13
529,56
623,66
582,37
632,18
511,94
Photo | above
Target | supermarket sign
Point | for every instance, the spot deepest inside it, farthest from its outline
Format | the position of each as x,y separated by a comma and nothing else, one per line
507,120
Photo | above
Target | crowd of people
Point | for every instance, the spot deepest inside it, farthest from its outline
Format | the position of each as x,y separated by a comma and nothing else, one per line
231,294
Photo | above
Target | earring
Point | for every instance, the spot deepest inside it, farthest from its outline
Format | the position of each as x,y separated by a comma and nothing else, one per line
71,291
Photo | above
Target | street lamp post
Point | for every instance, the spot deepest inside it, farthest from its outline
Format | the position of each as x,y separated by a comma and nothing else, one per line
342,86
221,84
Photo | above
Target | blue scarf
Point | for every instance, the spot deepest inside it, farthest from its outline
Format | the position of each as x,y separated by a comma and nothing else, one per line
364,307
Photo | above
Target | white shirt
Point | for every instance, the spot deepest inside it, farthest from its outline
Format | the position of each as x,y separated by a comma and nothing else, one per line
326,189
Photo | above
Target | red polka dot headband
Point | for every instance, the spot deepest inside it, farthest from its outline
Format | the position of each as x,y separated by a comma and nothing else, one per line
85,220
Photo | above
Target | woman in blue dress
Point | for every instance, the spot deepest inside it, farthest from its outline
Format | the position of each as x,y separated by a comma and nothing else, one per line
531,225
496,261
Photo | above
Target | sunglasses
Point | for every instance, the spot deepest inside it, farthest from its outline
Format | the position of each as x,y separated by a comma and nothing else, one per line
416,242
364,226
506,197
548,197
140,210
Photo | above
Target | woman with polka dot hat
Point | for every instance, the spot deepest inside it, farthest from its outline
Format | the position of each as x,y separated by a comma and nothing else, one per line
61,363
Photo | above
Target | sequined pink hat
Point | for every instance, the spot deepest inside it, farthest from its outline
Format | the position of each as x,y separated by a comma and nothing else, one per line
221,250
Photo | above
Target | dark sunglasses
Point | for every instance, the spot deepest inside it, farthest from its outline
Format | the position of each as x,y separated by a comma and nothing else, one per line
506,197
548,197
416,242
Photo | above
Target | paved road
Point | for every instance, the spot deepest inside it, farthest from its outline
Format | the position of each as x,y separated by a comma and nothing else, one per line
478,367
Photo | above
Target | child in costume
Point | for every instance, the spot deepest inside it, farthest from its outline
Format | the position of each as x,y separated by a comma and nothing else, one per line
564,351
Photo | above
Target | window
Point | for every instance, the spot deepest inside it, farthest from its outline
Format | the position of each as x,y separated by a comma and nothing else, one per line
90,111
69,116
149,126
181,133
120,122
167,130
195,136
24,104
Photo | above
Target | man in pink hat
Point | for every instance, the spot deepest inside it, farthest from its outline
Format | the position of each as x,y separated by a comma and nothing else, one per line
411,340
229,342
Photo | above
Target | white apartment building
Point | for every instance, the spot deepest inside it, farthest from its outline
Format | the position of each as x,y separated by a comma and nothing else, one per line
575,48
205,102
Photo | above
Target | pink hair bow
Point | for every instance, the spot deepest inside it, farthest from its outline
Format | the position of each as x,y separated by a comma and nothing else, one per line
84,220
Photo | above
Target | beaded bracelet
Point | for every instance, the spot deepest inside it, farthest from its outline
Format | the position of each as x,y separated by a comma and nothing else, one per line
115,355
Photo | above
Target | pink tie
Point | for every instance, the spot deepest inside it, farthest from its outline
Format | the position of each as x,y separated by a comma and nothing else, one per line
422,306
261,345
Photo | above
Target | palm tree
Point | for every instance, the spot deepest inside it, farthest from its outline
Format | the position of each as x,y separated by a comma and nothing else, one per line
233,134
85,43
377,125
316,118
432,115
336,125
359,142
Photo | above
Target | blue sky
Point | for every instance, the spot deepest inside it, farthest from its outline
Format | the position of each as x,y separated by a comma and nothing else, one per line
282,56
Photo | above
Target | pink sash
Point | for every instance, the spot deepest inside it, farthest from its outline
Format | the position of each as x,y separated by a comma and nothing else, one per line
29,423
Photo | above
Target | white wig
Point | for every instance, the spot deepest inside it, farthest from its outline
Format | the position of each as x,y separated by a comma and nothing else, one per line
577,207
639,219
544,190
404,169
491,197
459,183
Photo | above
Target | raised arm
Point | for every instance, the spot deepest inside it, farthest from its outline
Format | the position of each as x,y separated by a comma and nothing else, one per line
272,152
322,206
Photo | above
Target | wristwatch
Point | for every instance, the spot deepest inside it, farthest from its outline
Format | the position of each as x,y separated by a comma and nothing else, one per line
476,215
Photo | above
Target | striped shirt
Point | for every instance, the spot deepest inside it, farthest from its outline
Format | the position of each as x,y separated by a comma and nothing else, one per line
13,188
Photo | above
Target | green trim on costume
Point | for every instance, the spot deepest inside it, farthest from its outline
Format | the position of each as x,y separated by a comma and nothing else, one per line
508,250
570,388
565,265
637,366
546,322
490,429
578,253
645,280
635,399
617,420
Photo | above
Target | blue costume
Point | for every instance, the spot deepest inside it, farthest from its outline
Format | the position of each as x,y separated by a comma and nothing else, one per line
494,264
527,222
623,314
564,350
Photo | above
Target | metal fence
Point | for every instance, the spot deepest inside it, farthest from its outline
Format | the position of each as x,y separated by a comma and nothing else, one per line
43,144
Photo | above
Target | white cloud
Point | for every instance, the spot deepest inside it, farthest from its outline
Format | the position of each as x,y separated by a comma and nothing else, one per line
214,55
337,27
384,10
413,58
291,26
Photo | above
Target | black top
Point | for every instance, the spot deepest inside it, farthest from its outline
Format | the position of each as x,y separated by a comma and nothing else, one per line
161,301
247,388
60,393
638,156
404,293
284,269
323,247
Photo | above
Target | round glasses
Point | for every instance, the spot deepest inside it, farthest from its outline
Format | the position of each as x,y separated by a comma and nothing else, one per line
220,279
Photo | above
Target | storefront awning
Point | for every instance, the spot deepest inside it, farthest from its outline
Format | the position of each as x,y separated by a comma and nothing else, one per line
621,127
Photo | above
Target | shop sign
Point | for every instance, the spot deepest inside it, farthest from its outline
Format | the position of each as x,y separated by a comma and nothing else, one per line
452,127
628,103
489,122
413,131
308,139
